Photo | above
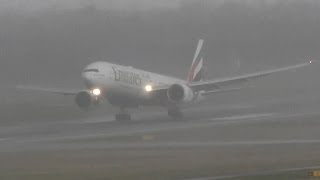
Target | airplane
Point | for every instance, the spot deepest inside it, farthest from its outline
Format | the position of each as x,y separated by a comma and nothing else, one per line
127,87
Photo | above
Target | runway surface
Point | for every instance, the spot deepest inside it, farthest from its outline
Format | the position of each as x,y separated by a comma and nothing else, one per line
220,142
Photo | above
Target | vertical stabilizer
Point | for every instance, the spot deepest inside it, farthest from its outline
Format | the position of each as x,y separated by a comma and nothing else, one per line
196,71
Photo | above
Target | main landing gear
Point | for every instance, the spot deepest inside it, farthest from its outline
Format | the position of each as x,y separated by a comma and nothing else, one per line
123,115
175,113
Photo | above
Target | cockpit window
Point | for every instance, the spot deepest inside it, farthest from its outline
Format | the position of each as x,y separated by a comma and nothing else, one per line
91,70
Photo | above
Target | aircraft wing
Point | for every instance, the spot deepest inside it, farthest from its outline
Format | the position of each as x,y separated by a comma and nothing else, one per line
204,93
225,84
50,90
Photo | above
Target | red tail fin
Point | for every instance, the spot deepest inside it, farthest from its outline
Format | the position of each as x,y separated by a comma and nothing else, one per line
196,70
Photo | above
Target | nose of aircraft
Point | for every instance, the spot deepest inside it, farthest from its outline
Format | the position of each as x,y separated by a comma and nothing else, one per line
90,74
87,77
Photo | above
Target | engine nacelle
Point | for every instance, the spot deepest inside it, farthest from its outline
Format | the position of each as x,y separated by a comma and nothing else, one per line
85,100
178,93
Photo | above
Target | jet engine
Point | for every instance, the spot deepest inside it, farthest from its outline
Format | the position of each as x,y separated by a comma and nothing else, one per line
85,99
178,93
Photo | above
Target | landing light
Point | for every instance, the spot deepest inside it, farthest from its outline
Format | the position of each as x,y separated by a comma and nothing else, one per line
148,88
96,92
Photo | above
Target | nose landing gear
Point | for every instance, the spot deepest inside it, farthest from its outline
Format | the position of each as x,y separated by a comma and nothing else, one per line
123,115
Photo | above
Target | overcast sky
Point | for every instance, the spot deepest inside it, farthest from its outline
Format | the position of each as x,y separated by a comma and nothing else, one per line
33,48
36,5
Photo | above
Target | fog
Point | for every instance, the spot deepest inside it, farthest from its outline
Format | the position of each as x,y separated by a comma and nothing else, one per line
270,127
27,6
48,43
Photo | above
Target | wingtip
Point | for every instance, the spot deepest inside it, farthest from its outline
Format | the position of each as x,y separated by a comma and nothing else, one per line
312,61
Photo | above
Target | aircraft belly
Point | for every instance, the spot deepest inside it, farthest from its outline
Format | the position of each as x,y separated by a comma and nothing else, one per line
121,94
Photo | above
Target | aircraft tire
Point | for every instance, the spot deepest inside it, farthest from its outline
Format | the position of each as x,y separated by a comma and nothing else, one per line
123,117
175,114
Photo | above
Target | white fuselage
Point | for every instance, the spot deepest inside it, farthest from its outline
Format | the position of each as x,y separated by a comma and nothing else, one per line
124,81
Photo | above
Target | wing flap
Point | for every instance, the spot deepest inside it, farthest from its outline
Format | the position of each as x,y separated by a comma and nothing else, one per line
238,81
205,93
49,90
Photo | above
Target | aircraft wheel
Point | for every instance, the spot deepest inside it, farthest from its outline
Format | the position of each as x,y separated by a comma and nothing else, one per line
123,117
175,114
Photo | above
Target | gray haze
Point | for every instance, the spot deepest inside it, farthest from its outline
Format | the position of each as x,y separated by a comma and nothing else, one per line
38,5
273,126
47,43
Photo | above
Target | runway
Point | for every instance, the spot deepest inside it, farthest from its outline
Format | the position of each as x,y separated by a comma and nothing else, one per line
229,142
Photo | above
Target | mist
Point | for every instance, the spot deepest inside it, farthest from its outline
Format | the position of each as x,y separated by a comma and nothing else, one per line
270,127
49,43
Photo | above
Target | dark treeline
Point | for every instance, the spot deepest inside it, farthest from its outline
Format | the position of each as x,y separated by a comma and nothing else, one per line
53,46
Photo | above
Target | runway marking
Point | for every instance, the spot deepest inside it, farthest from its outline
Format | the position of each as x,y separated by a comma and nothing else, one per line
245,116
165,127
148,137
263,142
91,121
144,145
260,173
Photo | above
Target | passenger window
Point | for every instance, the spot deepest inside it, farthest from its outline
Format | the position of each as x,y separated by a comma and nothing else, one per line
91,70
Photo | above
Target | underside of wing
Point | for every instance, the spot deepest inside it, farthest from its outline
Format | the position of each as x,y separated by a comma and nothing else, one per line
159,94
50,90
225,84
204,93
